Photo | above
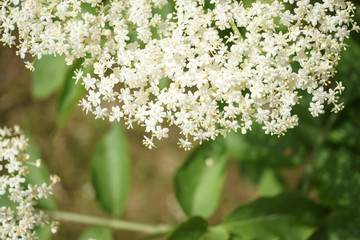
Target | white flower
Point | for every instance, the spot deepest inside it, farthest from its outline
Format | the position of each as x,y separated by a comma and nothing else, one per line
19,222
30,66
148,143
78,75
316,108
185,144
214,83
88,81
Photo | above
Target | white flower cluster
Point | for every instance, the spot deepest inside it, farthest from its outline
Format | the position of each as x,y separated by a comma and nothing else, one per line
19,220
208,67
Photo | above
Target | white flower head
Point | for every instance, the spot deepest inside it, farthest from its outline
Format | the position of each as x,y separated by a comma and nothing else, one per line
21,220
187,73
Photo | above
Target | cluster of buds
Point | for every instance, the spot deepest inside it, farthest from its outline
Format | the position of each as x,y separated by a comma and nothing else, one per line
207,67
19,218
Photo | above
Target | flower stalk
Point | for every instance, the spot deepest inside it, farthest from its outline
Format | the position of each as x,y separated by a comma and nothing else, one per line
235,29
111,223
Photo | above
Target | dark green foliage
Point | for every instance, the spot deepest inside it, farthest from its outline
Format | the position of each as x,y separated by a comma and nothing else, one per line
337,228
336,179
264,150
193,229
286,216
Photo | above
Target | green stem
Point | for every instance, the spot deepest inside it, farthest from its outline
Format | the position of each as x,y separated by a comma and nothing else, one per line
235,29
111,223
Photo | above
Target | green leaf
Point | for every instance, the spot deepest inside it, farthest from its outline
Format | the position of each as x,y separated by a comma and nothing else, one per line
349,67
346,130
6,202
87,8
38,175
198,182
267,151
217,233
193,229
165,10
110,171
50,72
336,177
248,3
98,234
309,131
69,97
164,83
286,216
270,183
337,228
43,233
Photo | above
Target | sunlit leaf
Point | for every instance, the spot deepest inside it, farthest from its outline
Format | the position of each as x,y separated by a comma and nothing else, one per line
199,181
286,216
87,8
6,202
97,233
165,10
217,233
43,233
110,171
164,83
193,229
248,3
50,72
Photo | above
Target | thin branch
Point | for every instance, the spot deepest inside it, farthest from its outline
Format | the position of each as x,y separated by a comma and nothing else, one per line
111,223
235,29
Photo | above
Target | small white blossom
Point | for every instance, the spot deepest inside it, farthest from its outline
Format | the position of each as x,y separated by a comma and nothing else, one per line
214,83
316,108
185,144
20,222
148,143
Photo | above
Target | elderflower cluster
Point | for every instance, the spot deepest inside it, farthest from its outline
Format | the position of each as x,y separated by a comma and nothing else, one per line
207,67
19,218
